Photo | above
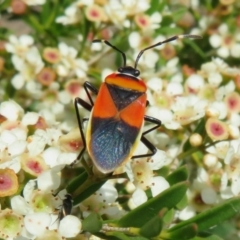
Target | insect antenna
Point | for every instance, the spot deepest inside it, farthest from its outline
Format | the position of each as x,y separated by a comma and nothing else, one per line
109,44
165,41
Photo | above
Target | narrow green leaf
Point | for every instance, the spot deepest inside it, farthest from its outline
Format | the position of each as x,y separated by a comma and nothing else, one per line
92,223
185,233
89,191
142,214
76,182
168,217
179,13
212,237
169,31
122,236
153,227
195,46
180,175
213,216
183,203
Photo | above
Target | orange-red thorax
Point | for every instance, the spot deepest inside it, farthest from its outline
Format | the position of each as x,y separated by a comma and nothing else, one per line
107,105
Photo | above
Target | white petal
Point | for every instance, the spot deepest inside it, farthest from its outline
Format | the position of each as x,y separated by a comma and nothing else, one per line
174,88
8,137
29,188
187,213
13,164
195,81
18,81
17,148
11,110
223,52
48,181
235,187
20,206
159,184
37,223
215,78
134,39
223,29
158,160
215,40
139,197
70,226
26,40
235,50
155,84
209,195
30,118
50,156
66,158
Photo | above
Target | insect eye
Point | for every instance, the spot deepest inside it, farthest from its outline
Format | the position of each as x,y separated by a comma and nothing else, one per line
136,73
120,69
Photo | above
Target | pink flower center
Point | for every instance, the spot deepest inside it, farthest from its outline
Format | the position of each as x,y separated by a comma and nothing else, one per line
232,103
52,55
217,129
75,145
5,182
143,21
34,166
228,40
94,13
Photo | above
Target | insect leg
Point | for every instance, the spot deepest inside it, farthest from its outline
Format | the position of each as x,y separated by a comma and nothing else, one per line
145,141
78,101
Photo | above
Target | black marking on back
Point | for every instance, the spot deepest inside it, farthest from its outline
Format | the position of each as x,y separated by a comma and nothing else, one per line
122,97
111,141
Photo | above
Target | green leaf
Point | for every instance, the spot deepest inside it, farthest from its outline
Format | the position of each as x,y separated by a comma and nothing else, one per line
89,191
183,203
92,223
169,31
169,216
177,15
76,182
213,216
187,232
194,45
179,175
142,214
153,227
212,237
154,6
33,20
122,236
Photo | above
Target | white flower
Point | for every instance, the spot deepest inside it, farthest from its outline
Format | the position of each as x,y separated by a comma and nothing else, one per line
11,110
188,109
226,43
28,68
69,63
34,2
72,15
19,46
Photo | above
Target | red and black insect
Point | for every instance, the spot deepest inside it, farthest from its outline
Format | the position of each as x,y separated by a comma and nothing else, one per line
116,121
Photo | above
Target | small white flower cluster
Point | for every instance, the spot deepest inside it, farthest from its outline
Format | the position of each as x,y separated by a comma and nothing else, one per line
25,58
112,11
42,154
